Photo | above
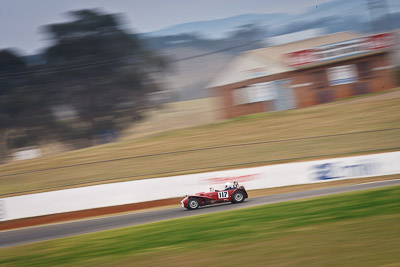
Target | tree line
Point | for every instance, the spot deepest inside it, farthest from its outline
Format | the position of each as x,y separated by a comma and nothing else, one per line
95,77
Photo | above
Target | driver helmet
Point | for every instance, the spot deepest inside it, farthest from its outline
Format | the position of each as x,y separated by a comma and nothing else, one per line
228,185
212,189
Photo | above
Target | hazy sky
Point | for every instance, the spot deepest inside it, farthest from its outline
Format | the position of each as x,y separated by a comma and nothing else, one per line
20,20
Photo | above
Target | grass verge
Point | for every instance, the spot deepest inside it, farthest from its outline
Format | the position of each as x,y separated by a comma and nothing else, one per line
352,229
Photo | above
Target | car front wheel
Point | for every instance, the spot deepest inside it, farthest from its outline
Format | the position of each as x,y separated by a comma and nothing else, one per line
193,204
238,196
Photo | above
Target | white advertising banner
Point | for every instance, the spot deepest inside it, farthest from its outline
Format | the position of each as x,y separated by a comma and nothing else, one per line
253,93
114,194
260,92
342,74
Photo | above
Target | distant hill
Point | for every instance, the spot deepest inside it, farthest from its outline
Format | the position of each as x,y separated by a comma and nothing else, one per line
335,16
219,28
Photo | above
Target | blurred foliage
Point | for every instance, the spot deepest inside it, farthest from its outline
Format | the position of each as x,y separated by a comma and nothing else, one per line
96,70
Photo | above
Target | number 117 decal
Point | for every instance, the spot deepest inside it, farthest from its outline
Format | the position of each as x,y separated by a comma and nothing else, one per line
223,194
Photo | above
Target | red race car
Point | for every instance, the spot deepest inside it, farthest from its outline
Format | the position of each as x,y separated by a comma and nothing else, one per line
232,193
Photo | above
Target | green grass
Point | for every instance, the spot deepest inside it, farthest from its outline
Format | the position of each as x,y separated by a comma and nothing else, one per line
364,114
353,229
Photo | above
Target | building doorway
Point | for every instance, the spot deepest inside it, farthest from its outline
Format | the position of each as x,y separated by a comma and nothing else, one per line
285,98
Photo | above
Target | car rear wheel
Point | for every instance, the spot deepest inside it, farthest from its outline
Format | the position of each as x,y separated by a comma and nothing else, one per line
193,204
238,196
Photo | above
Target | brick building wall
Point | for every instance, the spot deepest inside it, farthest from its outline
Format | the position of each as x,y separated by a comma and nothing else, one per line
311,86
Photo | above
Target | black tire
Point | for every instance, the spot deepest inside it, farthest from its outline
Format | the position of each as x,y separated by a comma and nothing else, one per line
193,204
238,196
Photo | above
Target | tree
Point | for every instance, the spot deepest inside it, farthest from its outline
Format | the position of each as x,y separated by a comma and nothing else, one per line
104,71
95,68
24,113
10,65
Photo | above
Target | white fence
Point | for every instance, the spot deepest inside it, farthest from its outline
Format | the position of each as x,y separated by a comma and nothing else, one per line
161,188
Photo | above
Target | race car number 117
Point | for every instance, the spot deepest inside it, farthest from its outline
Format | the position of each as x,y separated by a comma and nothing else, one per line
223,194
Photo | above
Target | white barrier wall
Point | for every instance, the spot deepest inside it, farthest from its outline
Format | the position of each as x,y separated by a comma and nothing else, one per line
177,186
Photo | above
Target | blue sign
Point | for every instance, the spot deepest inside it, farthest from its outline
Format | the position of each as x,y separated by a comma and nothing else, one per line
327,171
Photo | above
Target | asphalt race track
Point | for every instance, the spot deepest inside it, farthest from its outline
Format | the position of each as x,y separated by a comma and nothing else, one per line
40,233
